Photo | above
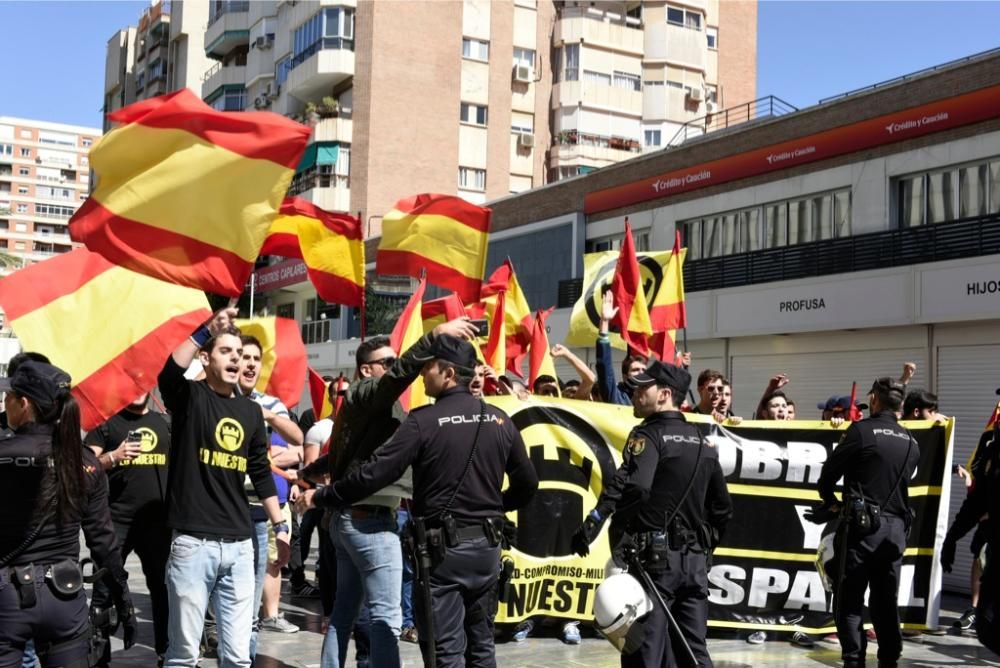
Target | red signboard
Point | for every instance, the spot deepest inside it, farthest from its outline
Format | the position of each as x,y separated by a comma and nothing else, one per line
280,275
954,112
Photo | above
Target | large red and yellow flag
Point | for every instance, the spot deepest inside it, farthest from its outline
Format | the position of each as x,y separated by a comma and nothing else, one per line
408,330
630,298
518,318
667,310
540,361
186,193
495,354
442,234
331,245
319,393
109,328
441,310
283,357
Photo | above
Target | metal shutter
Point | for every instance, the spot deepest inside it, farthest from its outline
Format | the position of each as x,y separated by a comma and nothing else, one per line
815,376
967,379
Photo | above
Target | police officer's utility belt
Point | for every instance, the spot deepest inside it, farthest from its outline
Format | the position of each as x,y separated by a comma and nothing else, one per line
453,534
64,578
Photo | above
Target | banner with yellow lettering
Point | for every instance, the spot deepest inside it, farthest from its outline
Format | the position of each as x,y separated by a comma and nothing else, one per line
764,574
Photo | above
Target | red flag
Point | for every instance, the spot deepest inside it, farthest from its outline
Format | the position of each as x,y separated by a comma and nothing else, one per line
854,413
633,315
518,316
540,360
496,345
283,358
319,392
441,310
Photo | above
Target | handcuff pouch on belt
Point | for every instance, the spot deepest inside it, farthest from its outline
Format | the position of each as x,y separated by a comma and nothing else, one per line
65,578
424,546
864,517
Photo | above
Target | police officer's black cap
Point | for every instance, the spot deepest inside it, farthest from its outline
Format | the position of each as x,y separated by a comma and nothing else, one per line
664,375
885,386
451,349
43,383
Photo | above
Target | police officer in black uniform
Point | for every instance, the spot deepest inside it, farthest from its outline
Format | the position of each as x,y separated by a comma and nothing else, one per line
669,500
50,488
876,458
459,449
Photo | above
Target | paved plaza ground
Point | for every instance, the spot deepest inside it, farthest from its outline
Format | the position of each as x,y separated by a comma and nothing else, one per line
302,649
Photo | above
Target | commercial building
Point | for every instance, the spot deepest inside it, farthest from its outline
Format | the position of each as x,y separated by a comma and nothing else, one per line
44,177
832,244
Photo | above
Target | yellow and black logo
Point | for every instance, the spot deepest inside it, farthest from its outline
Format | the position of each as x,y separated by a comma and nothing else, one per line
149,439
229,434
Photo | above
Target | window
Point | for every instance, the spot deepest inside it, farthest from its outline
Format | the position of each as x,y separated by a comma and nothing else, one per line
944,195
53,211
473,113
25,152
712,34
522,123
626,80
23,171
652,137
475,49
524,57
6,149
25,134
87,142
639,238
684,18
814,218
230,99
470,178
675,84
597,78
567,63
22,208
20,227
651,82
281,70
22,190
330,28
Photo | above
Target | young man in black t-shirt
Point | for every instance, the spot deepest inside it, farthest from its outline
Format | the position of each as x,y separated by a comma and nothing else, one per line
137,493
218,437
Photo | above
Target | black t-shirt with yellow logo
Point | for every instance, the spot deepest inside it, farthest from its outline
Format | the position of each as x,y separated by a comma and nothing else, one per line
137,489
216,441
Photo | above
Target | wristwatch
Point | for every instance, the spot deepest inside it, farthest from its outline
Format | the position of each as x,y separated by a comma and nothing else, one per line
280,527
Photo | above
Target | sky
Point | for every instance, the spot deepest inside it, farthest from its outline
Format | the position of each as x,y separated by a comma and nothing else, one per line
806,50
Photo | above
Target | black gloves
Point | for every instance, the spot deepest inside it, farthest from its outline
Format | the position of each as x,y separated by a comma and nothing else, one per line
820,514
624,550
508,534
947,555
126,616
586,534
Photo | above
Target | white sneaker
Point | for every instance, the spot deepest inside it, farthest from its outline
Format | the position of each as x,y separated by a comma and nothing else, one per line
278,624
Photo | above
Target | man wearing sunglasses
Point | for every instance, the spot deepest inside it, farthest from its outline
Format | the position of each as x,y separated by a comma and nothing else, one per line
369,557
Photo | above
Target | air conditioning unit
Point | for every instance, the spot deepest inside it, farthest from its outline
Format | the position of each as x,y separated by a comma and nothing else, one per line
525,140
263,42
696,95
712,107
523,74
260,102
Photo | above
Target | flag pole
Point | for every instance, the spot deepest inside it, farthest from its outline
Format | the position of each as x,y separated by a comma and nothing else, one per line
252,282
364,296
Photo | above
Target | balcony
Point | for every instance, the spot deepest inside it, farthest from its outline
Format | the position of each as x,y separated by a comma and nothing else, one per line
331,192
592,151
338,129
593,26
589,94
314,75
229,28
219,76
971,237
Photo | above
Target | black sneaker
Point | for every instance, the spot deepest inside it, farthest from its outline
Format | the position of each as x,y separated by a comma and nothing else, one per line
305,590
966,621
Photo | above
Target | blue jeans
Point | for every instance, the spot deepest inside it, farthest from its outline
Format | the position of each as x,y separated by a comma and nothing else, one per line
260,569
202,570
370,571
402,516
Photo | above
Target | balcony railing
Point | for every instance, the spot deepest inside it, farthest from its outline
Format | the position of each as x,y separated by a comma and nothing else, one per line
970,237
316,331
219,9
765,107
322,44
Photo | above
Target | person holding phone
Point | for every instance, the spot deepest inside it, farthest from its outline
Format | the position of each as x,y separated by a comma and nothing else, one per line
133,448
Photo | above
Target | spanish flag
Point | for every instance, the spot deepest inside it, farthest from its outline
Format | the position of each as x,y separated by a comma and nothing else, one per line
408,330
540,362
630,298
666,310
438,311
518,318
187,194
331,245
283,357
495,353
109,328
444,235
319,393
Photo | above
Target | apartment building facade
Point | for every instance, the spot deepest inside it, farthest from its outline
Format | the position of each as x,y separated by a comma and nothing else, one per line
44,178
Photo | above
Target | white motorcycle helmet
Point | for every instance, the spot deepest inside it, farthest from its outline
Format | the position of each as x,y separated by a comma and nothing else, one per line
619,604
